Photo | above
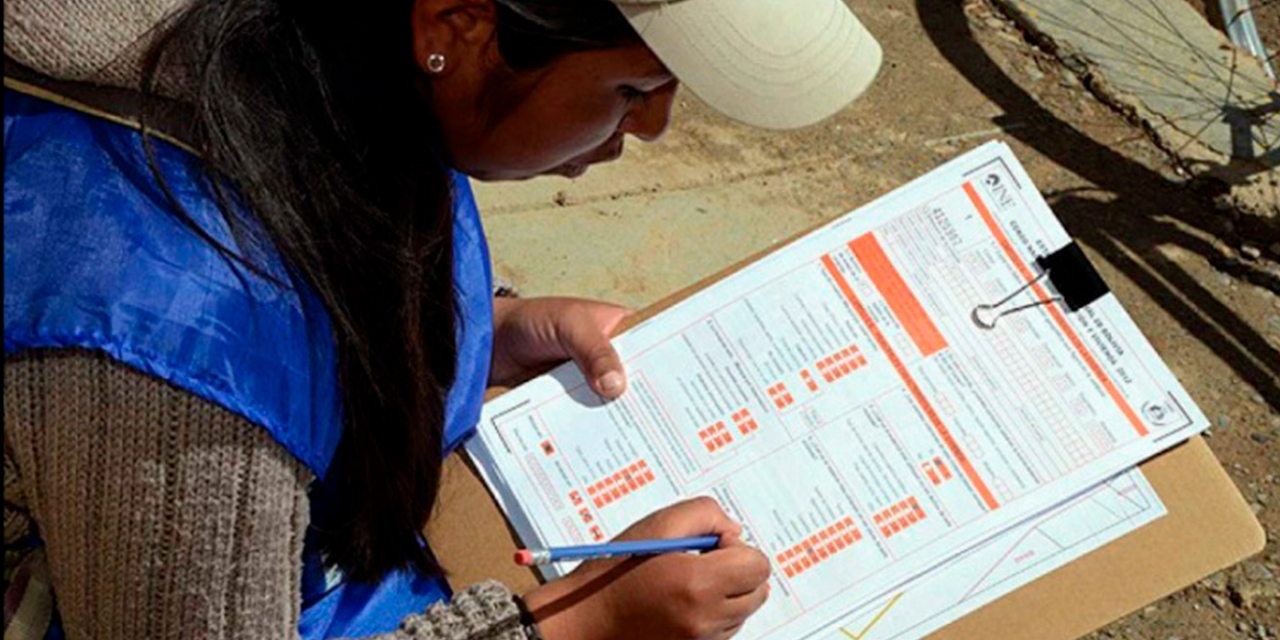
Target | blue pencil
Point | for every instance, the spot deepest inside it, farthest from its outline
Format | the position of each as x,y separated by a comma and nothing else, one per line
530,557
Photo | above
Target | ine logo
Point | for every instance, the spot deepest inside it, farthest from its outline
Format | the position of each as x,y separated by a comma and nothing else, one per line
1162,413
999,191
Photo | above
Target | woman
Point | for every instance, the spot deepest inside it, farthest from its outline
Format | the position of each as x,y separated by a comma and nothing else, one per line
248,306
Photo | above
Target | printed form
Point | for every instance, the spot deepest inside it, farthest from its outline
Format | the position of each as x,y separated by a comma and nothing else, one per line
898,464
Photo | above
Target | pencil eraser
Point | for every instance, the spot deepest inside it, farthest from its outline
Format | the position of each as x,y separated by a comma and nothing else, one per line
524,558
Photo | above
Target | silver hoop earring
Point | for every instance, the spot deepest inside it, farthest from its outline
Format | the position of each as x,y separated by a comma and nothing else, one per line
435,62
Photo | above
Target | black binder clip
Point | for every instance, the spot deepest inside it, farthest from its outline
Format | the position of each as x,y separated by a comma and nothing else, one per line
1073,277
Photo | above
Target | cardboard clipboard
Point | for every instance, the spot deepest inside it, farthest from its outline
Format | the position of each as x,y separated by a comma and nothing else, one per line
1208,527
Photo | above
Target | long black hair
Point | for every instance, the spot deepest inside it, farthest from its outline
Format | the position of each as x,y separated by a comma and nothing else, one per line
313,114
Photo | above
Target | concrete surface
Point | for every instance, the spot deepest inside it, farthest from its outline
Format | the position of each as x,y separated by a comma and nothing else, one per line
1210,104
1165,55
955,74
668,214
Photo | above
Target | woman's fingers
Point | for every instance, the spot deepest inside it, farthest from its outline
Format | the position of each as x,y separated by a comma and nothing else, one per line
707,596
740,569
700,516
729,633
740,607
585,337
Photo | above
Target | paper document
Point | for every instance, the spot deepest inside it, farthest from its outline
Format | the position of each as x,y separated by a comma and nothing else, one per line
1010,560
837,398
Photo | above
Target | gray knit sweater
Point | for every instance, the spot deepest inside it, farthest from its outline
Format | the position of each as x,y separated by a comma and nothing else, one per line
166,516
162,515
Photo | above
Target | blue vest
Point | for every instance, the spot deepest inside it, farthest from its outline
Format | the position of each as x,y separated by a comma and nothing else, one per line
92,259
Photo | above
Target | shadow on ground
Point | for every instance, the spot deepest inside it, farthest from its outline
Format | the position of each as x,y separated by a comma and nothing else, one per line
1138,219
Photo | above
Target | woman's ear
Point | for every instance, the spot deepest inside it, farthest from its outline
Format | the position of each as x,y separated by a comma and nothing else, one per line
452,34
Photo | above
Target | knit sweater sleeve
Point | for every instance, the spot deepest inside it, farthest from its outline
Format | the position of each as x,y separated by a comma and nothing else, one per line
166,516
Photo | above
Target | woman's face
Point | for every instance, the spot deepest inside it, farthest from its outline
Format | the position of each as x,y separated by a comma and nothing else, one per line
559,119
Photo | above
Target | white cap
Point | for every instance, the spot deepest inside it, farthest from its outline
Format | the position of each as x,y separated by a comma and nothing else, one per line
778,64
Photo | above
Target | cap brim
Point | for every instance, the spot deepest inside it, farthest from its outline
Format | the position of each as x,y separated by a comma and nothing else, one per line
778,64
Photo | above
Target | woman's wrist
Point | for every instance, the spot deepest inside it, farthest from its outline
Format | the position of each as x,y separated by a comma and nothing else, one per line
540,604
527,622
563,610
506,368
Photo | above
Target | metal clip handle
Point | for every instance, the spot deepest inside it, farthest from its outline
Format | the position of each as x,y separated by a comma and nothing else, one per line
986,315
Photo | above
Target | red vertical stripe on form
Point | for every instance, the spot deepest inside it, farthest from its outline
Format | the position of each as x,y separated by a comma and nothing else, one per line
965,465
904,304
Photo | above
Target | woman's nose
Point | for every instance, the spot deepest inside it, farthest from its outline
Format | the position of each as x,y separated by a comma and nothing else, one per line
649,120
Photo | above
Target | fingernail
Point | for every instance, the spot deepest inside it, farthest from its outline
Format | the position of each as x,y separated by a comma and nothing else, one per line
611,383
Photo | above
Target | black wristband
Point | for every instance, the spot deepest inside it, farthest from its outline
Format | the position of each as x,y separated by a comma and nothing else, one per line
527,621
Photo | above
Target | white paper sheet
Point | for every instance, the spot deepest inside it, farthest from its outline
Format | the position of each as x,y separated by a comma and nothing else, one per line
1010,560
837,398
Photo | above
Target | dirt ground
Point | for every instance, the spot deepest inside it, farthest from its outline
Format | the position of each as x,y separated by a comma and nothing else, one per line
1205,294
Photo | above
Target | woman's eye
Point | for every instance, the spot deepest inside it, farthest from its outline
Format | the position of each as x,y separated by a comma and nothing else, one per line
630,93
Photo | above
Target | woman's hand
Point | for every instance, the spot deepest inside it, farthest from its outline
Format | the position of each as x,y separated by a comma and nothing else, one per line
531,333
685,596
